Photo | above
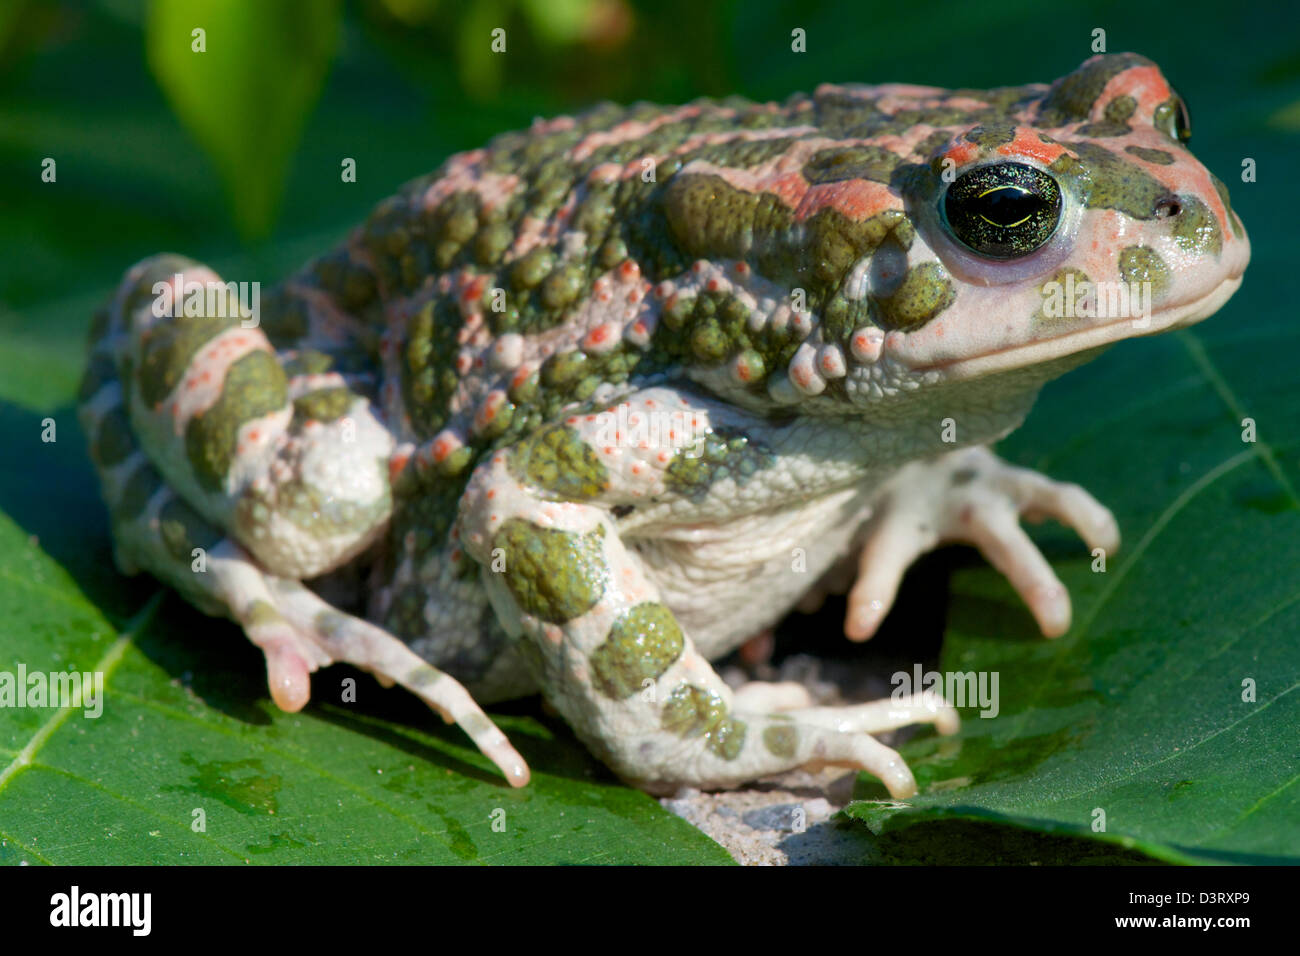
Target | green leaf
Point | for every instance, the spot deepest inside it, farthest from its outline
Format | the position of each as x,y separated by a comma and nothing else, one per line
1142,712
186,726
247,94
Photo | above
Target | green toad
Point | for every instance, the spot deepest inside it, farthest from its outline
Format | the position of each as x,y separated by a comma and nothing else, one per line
589,407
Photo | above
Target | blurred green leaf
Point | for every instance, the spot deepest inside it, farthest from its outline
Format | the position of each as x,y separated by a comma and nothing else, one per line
559,21
246,97
480,67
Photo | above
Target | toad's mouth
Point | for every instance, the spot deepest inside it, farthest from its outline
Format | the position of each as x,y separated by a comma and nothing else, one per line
1085,339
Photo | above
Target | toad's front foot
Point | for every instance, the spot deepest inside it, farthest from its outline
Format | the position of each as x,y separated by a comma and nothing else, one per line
973,496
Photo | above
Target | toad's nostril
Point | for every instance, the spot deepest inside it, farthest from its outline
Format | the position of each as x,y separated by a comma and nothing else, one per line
1168,207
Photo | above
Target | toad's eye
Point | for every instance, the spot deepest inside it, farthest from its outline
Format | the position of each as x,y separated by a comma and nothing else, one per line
1003,210
1173,119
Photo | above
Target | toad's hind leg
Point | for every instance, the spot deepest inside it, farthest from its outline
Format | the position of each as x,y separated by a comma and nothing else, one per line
608,653
229,476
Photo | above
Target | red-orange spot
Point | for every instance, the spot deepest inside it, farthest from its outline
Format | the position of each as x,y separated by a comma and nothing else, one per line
857,199
962,153
1026,143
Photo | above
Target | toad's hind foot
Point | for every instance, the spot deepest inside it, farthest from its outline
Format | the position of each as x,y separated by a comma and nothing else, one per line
322,629
299,633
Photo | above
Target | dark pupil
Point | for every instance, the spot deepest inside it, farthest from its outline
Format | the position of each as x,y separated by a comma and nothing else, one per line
1003,210
1007,205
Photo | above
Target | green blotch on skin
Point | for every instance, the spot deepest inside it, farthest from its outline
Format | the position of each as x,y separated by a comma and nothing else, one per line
643,643
261,614
322,405
101,371
991,135
1116,117
429,376
711,327
532,268
321,515
561,287
1058,295
1111,182
924,292
718,455
456,462
709,344
781,740
183,529
851,162
711,219
113,440
1222,190
1143,264
692,710
557,459
564,368
554,575
1196,228
168,347
729,738
492,242
254,386
1157,156
143,483
1120,109
1071,97
743,154
308,362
